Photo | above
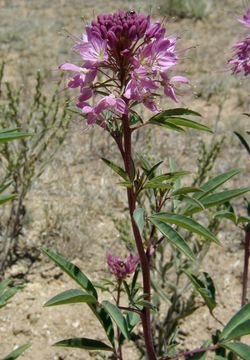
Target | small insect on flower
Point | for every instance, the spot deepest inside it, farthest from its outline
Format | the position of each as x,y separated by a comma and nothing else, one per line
131,12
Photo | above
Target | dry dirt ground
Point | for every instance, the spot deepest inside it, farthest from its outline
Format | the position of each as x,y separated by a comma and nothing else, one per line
65,207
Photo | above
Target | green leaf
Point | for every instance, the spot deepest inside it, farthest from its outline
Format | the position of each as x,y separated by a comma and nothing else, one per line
241,330
117,316
173,236
240,317
139,219
72,270
207,292
8,136
186,190
180,112
150,173
226,215
133,319
243,141
84,343
192,201
166,120
239,348
243,219
76,274
74,110
7,295
6,198
4,284
71,296
216,182
188,123
186,223
117,169
217,199
16,353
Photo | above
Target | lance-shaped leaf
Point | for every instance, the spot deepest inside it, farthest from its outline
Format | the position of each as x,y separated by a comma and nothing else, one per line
139,219
71,296
117,316
240,317
13,135
186,190
216,182
117,169
163,119
6,198
74,110
207,291
16,353
180,112
243,141
227,215
173,237
76,274
238,348
217,199
84,343
241,330
72,270
186,223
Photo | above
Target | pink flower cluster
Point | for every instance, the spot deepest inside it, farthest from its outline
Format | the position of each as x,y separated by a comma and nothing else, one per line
120,268
241,60
126,59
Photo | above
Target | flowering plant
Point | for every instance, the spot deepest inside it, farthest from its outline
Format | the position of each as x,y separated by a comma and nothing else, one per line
127,61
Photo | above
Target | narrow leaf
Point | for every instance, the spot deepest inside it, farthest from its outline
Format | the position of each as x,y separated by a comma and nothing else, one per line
207,295
6,198
186,190
180,112
217,199
16,353
239,348
241,316
76,274
84,343
243,141
72,270
117,169
187,123
216,182
71,296
241,330
117,316
173,236
8,136
226,215
139,219
186,223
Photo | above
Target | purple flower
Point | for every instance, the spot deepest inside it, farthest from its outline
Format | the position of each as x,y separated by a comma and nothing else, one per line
95,113
123,57
246,19
121,268
169,87
93,49
240,62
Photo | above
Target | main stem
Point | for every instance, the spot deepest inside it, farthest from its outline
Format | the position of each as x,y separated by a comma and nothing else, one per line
145,266
246,265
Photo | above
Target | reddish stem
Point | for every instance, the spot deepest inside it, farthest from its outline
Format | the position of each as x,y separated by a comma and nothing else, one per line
145,314
186,354
246,265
